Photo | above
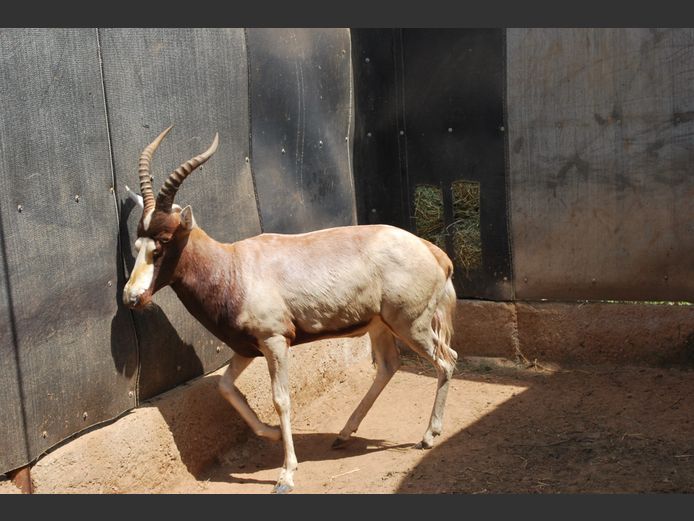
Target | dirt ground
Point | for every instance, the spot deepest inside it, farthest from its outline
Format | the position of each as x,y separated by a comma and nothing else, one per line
506,429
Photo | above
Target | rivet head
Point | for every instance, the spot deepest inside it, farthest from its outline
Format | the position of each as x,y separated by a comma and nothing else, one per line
502,128
130,394
178,368
373,210
77,198
320,143
109,283
44,434
110,189
84,415
368,134
367,60
525,279
284,151
593,280
450,129
665,277
246,159
20,208
219,349
346,138
402,132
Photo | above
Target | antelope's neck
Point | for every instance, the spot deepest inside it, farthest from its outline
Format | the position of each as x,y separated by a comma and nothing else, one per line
205,278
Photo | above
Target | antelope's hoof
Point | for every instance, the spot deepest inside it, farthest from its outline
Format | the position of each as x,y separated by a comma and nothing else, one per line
282,488
339,443
422,445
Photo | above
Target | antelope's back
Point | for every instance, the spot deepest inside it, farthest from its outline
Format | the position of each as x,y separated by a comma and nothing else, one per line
339,276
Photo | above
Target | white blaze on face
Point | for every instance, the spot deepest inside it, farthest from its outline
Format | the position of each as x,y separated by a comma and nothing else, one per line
141,276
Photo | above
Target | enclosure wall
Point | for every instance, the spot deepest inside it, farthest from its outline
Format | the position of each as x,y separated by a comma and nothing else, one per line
78,106
601,157
579,143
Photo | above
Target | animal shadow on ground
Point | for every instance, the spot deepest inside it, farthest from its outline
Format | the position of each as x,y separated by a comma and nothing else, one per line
593,429
256,454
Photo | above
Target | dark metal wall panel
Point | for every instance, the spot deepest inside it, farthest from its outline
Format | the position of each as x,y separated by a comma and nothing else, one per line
14,445
197,80
61,249
601,149
454,116
301,123
380,175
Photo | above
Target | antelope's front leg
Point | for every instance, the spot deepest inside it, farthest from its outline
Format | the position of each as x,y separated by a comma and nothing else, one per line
276,351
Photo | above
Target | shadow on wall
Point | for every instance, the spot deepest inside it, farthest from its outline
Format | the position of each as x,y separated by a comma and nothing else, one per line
151,326
607,430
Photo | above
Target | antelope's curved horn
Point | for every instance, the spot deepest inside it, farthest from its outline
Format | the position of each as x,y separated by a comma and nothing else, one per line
168,191
143,171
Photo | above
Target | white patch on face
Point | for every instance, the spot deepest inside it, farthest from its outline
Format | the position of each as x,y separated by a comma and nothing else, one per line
143,271
147,219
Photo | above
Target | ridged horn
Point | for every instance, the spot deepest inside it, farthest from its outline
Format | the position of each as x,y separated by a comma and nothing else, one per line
143,171
168,191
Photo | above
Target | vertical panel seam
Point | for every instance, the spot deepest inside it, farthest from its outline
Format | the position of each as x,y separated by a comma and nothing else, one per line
115,202
15,344
507,159
349,135
250,128
400,123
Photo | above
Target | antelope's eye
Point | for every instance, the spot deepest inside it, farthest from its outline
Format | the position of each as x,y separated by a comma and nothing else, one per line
164,239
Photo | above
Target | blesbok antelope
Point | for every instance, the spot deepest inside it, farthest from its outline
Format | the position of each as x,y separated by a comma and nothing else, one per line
264,294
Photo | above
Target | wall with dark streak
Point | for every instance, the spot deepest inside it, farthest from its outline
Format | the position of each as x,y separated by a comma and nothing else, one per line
601,153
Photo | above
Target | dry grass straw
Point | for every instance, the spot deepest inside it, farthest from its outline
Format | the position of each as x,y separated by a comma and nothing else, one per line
465,228
428,214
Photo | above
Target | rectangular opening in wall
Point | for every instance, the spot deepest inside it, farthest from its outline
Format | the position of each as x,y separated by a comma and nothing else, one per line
428,214
465,228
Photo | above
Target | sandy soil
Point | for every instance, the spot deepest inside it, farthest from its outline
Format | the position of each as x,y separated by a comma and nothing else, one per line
593,429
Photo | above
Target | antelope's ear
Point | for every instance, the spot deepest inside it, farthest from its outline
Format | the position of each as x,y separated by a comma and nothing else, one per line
187,219
135,197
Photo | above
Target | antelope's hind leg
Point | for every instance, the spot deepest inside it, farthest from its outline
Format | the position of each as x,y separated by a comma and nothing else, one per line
387,359
423,340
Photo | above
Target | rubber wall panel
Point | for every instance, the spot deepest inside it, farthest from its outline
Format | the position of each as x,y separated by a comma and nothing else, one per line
601,126
430,113
380,175
301,125
14,444
196,79
454,113
62,335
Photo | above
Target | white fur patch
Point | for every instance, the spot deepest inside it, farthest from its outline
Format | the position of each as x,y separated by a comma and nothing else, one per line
147,219
143,271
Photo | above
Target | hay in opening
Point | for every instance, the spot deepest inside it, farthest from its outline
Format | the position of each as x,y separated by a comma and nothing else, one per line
428,214
465,229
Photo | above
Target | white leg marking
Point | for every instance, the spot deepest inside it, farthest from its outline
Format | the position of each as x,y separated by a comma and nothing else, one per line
276,351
